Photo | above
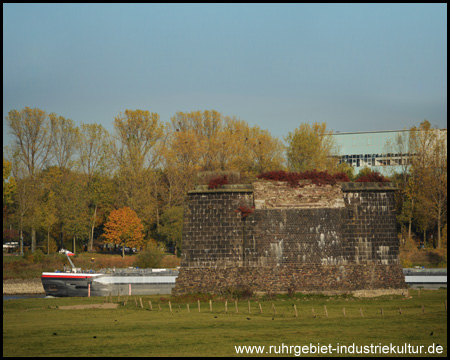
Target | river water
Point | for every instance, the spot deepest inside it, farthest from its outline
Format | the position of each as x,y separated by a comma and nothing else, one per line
23,296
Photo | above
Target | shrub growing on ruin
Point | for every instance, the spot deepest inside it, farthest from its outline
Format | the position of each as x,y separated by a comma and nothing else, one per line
245,211
218,182
319,178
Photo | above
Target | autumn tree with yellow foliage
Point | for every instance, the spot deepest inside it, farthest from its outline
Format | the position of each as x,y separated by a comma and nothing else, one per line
311,147
208,141
429,175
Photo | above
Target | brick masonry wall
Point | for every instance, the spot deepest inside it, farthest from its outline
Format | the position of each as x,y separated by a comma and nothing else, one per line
297,237
370,227
212,230
344,248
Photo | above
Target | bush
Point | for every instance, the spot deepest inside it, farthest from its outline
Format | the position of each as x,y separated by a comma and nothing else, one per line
372,177
151,257
218,182
37,257
408,244
240,293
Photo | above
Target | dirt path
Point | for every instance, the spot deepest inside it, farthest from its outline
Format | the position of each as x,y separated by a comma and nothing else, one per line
89,306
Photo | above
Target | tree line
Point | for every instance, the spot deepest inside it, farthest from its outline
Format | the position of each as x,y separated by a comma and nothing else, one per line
63,181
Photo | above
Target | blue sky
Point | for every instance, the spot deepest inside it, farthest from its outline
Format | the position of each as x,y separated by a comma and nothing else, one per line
356,67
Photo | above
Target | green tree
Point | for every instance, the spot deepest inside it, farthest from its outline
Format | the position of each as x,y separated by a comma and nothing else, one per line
9,188
23,200
95,163
32,151
9,184
346,169
172,226
74,212
49,215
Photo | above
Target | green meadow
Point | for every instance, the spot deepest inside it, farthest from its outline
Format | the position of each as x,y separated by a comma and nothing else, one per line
41,327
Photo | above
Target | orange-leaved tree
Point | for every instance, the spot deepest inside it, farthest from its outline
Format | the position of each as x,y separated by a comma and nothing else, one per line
124,228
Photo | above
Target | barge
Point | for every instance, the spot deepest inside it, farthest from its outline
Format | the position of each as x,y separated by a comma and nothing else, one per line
426,278
131,281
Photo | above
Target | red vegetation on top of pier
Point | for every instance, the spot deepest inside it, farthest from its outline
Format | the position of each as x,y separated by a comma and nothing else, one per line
319,178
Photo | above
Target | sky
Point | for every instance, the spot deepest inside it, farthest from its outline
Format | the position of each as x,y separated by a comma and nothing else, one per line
357,67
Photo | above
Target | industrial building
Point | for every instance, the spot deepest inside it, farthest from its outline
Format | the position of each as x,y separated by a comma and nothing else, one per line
377,150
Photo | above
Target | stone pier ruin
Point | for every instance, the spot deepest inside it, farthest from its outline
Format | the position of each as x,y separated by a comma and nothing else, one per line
268,237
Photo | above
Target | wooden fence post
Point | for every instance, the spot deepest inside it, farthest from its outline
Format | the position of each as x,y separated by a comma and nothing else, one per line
295,310
198,303
170,307
210,305
236,306
343,311
326,312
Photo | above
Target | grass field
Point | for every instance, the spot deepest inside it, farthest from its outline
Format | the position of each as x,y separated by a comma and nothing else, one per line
37,327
